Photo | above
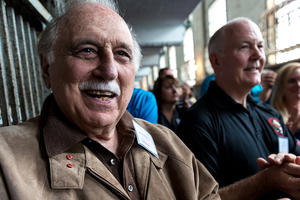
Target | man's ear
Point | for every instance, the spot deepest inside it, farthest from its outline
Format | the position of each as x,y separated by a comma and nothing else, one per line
45,70
214,60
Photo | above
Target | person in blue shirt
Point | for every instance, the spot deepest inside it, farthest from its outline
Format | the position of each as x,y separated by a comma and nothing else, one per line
143,105
205,84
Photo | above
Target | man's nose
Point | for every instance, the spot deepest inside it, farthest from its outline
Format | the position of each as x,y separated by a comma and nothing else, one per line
107,68
258,53
175,89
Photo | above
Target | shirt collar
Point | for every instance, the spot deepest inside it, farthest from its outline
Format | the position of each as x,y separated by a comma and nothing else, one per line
60,134
223,100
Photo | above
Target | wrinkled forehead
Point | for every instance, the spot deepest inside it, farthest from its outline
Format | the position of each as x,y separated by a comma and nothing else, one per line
94,14
90,11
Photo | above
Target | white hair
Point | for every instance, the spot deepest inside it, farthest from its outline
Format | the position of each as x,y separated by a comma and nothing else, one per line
49,35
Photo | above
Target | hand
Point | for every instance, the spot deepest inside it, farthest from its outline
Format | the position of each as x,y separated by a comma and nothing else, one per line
280,173
284,169
284,177
268,78
278,159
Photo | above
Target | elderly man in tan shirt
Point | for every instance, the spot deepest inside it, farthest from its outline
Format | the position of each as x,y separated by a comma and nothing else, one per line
84,145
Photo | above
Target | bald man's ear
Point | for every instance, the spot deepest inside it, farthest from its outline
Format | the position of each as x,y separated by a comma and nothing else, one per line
45,70
214,60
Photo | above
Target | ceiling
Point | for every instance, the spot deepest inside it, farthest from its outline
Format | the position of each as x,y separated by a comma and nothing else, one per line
156,23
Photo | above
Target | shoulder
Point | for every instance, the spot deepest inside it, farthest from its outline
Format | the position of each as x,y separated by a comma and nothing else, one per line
267,109
140,96
20,129
140,93
202,111
167,142
176,157
22,135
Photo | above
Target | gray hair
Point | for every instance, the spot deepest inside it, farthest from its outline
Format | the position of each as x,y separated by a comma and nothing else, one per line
49,35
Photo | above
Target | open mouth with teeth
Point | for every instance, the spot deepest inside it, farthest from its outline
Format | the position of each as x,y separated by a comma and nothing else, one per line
252,69
104,96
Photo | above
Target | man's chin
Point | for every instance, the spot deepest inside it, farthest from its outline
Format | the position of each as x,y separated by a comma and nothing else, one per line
253,83
99,120
105,120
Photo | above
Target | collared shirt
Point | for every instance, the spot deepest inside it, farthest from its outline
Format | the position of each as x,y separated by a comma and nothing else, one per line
60,135
176,118
165,169
228,138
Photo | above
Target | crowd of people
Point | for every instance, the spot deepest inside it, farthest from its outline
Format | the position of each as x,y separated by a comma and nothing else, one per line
98,137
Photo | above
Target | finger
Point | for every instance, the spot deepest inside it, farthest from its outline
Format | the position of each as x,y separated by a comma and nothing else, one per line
275,159
262,163
289,158
297,160
280,158
292,169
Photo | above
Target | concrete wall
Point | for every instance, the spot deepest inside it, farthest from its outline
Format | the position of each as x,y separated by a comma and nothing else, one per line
199,35
179,60
244,8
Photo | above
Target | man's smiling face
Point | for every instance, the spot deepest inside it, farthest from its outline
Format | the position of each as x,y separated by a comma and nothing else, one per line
92,75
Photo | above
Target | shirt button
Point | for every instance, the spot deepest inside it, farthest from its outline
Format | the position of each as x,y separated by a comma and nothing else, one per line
69,165
130,188
113,162
69,156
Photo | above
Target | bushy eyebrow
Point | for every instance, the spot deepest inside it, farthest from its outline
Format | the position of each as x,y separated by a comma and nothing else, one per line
116,44
261,42
124,46
83,42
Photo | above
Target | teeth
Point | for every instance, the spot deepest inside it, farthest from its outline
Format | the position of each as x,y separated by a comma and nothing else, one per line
104,96
251,69
97,92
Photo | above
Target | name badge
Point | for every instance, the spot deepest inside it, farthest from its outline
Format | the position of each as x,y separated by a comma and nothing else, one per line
283,144
144,139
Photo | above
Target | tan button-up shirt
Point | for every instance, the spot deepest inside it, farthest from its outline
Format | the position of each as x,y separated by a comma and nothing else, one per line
33,168
59,136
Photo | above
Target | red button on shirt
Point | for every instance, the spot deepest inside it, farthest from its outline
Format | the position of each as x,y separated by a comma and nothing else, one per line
69,156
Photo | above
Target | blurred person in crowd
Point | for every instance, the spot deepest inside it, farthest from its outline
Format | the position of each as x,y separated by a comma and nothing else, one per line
187,98
143,105
233,135
85,145
166,92
268,78
205,84
164,72
286,96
